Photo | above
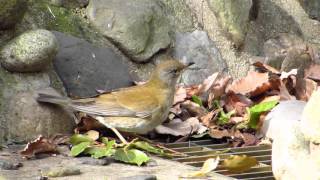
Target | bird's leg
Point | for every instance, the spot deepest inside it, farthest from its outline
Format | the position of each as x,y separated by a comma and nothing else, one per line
122,139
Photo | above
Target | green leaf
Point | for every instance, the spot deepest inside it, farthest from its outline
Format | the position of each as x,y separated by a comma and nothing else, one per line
224,118
206,133
239,163
79,148
132,156
79,138
197,100
110,144
255,111
100,151
104,140
147,147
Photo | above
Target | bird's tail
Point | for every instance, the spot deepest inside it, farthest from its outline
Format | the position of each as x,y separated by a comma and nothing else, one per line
54,99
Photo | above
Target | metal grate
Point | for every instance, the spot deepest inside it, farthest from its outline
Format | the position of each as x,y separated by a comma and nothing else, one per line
199,151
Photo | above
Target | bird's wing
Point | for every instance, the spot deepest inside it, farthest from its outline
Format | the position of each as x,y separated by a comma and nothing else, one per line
125,103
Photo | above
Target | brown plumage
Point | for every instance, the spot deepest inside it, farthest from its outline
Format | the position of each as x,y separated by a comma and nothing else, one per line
136,109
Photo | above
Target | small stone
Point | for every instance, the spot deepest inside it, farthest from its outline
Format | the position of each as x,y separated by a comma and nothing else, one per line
139,177
151,163
7,165
62,171
94,161
32,51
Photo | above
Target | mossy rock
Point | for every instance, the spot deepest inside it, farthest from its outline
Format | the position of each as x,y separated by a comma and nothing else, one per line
42,15
11,11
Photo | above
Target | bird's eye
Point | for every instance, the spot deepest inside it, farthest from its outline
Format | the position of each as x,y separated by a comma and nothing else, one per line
174,71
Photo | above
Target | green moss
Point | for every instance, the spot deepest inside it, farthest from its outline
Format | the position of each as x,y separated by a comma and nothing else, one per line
40,14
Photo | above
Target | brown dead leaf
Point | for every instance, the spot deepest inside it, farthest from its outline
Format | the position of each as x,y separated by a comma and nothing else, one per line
237,102
218,89
207,119
180,95
204,87
284,93
208,83
253,84
177,127
265,68
219,133
304,89
88,123
192,90
313,72
237,119
194,109
249,139
39,145
176,109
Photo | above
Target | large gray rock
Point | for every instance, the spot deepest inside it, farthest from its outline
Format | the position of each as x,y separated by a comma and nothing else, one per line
312,8
288,51
275,49
70,3
32,51
11,11
198,48
21,117
85,68
233,16
140,27
180,15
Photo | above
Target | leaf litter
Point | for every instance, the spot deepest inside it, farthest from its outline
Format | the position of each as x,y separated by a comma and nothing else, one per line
221,108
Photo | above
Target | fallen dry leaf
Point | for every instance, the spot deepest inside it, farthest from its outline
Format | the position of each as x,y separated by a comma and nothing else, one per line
253,84
87,123
208,83
208,166
237,102
219,133
192,90
248,139
208,119
218,89
286,75
180,95
202,88
39,145
313,72
265,68
194,109
304,89
239,163
237,119
177,127
92,134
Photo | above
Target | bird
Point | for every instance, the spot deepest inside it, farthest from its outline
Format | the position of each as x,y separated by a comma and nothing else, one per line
137,109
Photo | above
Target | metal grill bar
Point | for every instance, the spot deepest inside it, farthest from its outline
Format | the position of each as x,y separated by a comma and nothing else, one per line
199,151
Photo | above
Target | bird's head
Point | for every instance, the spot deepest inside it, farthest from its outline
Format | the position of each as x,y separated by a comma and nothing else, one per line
168,72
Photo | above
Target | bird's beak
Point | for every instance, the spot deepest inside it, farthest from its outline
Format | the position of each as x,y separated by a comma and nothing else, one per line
188,65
